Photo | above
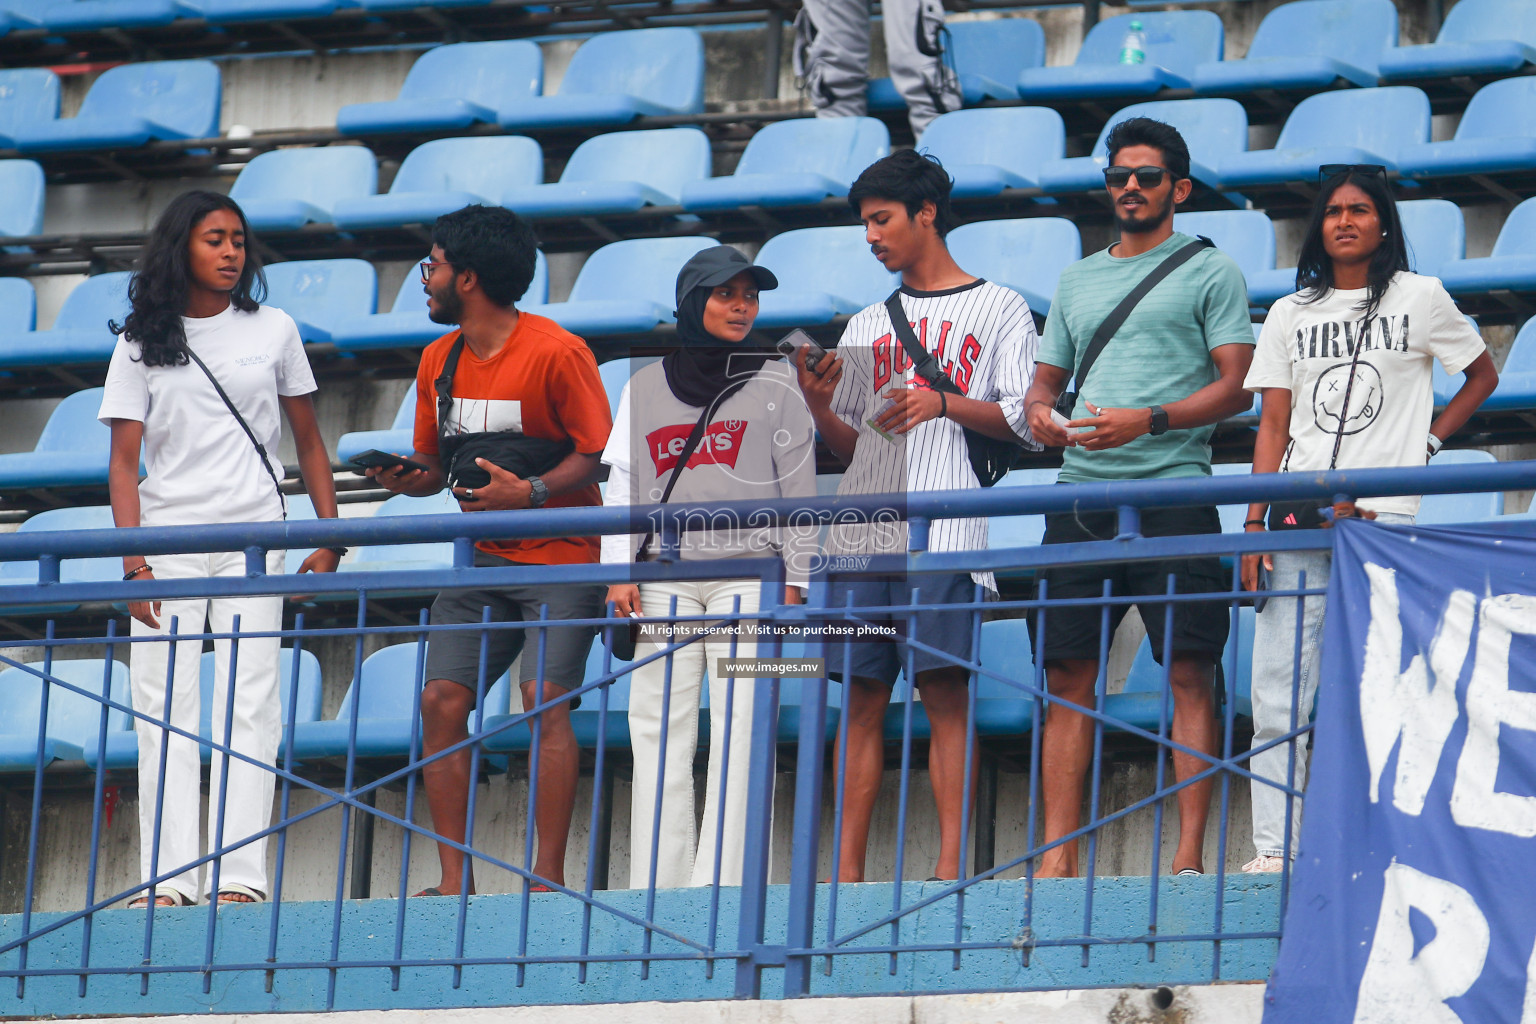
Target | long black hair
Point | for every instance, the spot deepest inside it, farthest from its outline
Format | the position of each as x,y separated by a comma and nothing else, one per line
1314,268
157,292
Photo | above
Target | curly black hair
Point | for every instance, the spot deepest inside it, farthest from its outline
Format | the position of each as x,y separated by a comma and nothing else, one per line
497,244
909,178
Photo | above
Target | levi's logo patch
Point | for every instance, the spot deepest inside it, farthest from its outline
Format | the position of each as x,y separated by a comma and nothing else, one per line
719,446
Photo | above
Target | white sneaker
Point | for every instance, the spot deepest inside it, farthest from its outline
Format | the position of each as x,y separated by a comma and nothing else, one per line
1262,864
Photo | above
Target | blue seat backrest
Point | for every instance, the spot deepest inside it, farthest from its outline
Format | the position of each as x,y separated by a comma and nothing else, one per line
1353,31
95,301
18,305
405,416
1006,649
21,198
179,94
390,681
836,147
72,717
410,298
1435,231
1176,40
617,372
27,96
664,158
1504,109
1478,21
998,48
1025,253
441,503
1461,508
323,292
489,74
1212,128
1378,120
1522,353
308,697
1018,138
834,261
1518,235
483,166
319,175
78,517
663,65
636,268
1247,236
618,693
73,426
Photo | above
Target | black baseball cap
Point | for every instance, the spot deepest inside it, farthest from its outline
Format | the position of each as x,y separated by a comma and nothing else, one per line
717,266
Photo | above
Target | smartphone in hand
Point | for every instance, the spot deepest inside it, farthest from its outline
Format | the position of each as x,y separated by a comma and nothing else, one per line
375,459
789,346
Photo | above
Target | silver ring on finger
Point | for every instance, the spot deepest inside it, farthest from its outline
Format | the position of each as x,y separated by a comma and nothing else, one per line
469,494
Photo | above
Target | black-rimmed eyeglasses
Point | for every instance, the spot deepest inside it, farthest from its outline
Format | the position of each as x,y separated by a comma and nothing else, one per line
427,266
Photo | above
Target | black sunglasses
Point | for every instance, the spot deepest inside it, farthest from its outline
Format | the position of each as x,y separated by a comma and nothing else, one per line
1328,171
1147,177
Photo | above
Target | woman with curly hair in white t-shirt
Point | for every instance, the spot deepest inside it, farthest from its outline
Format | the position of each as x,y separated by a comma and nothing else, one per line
1343,366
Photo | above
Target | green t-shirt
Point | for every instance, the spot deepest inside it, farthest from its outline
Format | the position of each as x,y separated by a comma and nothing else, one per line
1161,354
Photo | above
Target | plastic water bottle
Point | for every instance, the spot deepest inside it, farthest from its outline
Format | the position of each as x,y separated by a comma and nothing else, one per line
1134,49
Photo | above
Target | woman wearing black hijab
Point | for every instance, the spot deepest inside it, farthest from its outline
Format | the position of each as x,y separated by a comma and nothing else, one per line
729,411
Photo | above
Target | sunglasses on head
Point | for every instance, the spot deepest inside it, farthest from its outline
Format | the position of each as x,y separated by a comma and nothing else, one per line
1328,171
1147,177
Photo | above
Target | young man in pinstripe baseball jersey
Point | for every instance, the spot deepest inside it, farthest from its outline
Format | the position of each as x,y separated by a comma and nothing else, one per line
896,434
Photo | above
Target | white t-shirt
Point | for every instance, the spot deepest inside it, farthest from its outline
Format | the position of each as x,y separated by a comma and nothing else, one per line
759,444
1307,348
984,336
202,468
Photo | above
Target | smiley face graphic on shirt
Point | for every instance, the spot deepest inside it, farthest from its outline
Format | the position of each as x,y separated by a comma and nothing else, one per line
1334,389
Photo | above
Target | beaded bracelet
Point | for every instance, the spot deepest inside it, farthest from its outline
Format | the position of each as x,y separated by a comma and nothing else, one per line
131,573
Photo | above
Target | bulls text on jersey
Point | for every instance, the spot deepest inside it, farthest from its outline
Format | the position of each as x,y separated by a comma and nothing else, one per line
891,356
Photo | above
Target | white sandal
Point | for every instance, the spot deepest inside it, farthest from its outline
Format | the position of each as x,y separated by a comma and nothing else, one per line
236,889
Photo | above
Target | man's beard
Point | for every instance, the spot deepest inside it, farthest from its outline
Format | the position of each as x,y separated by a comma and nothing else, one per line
450,308
1139,226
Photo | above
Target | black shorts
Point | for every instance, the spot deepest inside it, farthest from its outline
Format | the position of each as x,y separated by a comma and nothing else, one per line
1199,627
948,629
455,656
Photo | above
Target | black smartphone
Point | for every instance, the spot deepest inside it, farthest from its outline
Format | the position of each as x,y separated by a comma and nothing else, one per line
790,344
373,458
1261,594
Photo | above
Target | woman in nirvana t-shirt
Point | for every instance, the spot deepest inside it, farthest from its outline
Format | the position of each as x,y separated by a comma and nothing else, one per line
758,443
194,306
1344,369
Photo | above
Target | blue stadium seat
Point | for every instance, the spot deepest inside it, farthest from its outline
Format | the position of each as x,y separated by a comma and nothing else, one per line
71,570
1479,37
70,452
131,104
398,438
452,87
389,557
385,694
1213,129
1517,378
1027,255
79,333
1020,531
64,16
1351,126
287,188
987,151
1497,135
407,324
626,287
616,77
1440,509
621,172
1309,44
584,720
1511,267
823,273
1003,707
28,96
795,162
444,175
397,5
224,12
988,55
1140,702
1434,229
1177,43
74,720
18,307
21,198
1247,236
616,373
322,294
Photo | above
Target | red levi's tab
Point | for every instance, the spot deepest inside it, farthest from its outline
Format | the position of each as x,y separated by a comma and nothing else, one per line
720,445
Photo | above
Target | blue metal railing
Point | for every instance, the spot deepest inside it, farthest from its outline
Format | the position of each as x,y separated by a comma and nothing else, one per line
821,925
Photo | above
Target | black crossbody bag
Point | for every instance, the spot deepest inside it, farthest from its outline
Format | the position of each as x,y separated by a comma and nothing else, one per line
991,457
261,449
1067,400
519,454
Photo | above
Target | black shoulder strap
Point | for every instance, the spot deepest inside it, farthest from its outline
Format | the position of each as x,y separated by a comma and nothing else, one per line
923,362
444,384
261,449
1118,315
677,470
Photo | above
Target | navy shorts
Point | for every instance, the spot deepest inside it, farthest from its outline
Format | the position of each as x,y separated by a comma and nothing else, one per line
950,630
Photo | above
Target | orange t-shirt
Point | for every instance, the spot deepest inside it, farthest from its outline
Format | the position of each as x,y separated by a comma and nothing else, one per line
543,383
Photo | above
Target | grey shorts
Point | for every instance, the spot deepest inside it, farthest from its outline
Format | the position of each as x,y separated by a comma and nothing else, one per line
455,656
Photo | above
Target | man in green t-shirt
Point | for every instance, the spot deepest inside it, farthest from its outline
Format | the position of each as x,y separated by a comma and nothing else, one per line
1172,371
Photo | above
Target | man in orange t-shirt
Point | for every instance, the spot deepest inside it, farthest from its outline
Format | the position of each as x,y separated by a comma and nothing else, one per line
520,383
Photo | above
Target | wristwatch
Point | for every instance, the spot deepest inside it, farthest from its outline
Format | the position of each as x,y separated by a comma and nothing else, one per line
540,493
1159,421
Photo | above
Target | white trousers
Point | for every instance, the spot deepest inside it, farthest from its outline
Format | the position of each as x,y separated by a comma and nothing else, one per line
255,730
681,858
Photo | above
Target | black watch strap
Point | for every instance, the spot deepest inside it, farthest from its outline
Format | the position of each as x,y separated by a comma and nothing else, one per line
1159,420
